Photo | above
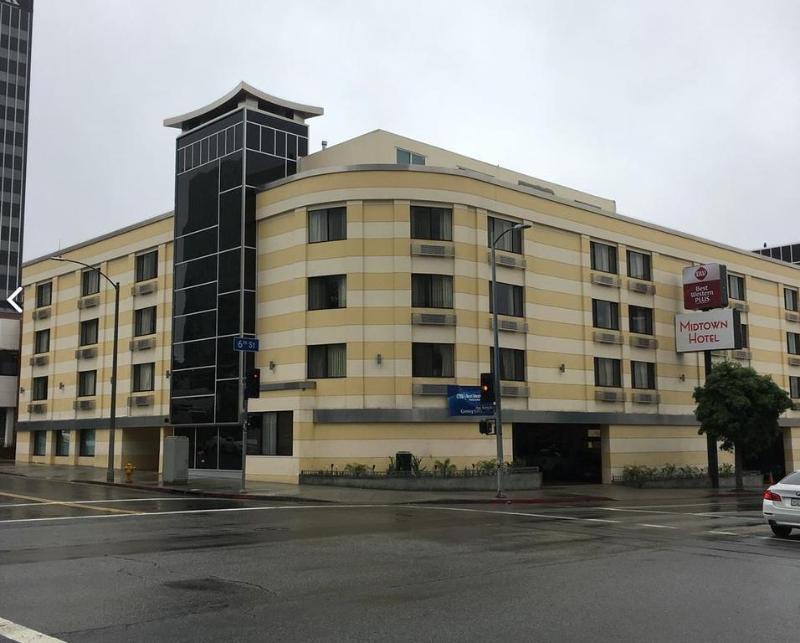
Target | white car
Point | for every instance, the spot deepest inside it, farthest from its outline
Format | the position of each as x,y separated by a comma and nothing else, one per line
781,506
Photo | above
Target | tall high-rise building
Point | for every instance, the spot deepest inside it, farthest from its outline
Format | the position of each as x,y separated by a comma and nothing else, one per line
789,252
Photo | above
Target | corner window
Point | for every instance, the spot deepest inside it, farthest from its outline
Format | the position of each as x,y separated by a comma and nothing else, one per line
86,443
44,294
793,343
62,442
143,377
432,360
90,282
41,341
509,300
327,360
640,320
39,388
144,321
736,287
329,224
604,257
510,241
607,372
88,332
270,434
431,291
39,442
87,381
147,266
605,314
643,375
406,157
790,299
431,223
639,266
794,387
512,364
327,292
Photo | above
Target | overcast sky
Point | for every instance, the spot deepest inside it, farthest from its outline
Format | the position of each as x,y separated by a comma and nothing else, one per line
686,113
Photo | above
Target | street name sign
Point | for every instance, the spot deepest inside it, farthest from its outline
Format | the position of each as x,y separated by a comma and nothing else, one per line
712,330
705,287
245,344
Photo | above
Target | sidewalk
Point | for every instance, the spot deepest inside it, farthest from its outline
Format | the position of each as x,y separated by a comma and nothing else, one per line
212,484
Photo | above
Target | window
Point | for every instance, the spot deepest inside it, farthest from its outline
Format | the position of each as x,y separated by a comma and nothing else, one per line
9,363
512,364
39,388
794,387
86,383
44,294
39,442
605,314
90,282
270,434
607,372
432,291
41,341
639,265
144,321
143,377
329,224
643,375
327,360
604,257
432,360
510,241
329,291
509,300
745,336
86,443
88,332
790,299
793,343
147,266
405,157
62,442
640,320
431,223
735,287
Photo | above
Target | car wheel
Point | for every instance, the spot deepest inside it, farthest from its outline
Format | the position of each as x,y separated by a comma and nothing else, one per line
781,531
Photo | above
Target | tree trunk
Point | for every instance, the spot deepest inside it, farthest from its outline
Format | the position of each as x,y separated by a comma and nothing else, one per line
739,459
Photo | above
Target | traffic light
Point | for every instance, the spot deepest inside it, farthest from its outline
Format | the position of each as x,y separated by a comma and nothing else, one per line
487,388
485,427
252,383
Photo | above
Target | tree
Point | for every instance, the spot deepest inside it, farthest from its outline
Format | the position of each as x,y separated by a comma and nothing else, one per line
740,408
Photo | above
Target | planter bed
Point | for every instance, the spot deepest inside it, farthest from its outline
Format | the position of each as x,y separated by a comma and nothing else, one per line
511,481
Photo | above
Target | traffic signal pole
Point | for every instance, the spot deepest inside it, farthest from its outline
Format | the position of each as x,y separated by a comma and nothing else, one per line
711,441
498,411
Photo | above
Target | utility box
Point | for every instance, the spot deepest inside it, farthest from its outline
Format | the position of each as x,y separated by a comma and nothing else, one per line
176,460
402,460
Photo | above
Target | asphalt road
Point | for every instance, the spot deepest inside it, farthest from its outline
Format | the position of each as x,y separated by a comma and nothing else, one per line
83,562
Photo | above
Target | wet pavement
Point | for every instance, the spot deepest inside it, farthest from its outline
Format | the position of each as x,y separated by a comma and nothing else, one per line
84,562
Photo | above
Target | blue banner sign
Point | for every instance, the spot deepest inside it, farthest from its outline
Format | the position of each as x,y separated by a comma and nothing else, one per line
466,400
245,344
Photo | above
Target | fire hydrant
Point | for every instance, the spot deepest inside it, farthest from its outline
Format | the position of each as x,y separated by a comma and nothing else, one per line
129,469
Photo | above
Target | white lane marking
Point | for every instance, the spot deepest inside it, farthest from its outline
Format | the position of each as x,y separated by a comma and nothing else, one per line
600,520
501,513
23,634
92,502
708,514
644,524
723,533
693,504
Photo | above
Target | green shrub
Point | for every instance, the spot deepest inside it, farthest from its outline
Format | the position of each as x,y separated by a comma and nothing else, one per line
486,466
638,474
355,468
444,467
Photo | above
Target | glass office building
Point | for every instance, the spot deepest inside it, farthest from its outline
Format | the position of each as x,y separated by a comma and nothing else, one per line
790,253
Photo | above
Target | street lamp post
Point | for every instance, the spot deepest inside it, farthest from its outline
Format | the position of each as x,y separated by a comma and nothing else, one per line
498,413
112,421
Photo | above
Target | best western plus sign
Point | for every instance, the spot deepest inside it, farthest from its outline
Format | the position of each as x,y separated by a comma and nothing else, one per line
705,287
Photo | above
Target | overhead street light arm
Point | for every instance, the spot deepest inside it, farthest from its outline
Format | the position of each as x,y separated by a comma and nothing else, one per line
86,265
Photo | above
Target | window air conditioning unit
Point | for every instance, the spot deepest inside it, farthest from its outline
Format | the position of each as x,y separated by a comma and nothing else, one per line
143,344
514,391
741,354
608,396
794,361
85,353
510,325
641,287
83,405
430,389
604,280
432,250
40,360
140,400
602,337
41,313
508,261
37,408
145,288
88,302
644,342
792,316
740,306
433,319
645,398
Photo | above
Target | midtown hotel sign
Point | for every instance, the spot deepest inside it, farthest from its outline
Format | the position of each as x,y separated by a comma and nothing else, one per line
715,327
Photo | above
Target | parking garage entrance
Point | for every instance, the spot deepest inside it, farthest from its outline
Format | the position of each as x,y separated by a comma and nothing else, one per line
564,453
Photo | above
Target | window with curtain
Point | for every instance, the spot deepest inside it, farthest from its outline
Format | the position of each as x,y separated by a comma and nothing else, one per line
431,223
432,360
41,341
790,299
90,282
604,257
640,320
143,377
793,343
270,433
605,314
639,265
327,360
86,443
432,291
643,375
44,294
735,287
147,265
510,241
325,292
327,224
62,442
39,388
794,387
607,372
88,332
144,321
39,442
512,364
87,383
509,300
